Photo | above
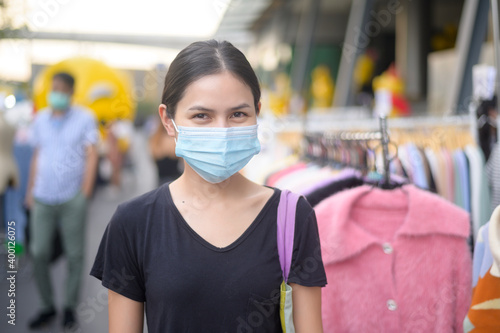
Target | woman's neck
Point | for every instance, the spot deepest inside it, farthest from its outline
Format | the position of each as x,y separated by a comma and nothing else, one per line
191,183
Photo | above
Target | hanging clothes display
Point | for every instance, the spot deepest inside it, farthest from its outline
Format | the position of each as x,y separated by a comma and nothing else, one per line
396,261
342,158
448,162
397,256
339,184
327,180
484,313
443,160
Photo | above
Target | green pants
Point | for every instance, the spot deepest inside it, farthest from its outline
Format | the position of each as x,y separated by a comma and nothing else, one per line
69,218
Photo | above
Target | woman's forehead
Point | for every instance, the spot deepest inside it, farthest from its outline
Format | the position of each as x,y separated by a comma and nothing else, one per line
222,89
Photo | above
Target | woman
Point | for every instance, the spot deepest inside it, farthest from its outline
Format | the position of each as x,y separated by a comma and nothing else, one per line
162,149
201,252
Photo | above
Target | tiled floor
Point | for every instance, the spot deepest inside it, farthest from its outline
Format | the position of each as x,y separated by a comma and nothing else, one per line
92,312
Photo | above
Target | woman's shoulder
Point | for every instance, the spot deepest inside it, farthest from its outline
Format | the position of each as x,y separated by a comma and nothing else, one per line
137,209
304,208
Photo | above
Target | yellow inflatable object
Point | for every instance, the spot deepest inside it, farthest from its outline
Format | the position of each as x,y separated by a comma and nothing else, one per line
279,97
322,87
99,87
364,69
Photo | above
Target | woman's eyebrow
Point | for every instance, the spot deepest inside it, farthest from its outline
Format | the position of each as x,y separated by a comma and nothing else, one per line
241,106
205,109
200,108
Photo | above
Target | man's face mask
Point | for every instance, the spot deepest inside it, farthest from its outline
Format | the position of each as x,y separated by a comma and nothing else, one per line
59,100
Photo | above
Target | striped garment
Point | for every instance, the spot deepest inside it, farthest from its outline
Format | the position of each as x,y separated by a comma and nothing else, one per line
61,143
493,172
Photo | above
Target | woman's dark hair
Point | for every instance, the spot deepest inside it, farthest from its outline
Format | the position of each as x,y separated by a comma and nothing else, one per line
206,58
68,79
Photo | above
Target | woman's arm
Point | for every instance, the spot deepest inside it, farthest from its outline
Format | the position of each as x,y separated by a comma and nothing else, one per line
306,309
28,201
125,315
92,159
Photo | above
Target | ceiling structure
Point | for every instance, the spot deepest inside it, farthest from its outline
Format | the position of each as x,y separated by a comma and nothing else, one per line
238,19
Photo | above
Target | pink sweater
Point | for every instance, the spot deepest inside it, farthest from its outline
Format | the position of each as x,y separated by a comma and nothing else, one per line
396,261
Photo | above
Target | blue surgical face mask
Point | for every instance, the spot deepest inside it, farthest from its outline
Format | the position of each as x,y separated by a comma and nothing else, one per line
59,100
217,153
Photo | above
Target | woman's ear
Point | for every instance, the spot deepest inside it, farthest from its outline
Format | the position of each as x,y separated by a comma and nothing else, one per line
166,121
258,108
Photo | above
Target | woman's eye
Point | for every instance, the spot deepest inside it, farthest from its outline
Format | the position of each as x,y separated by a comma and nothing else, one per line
239,114
200,116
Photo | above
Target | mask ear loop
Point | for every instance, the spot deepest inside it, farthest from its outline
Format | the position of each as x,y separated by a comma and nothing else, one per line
176,129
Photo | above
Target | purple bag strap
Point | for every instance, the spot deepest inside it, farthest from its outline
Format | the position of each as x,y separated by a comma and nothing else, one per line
286,229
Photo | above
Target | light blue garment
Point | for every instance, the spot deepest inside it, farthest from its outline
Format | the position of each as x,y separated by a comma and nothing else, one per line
459,190
217,153
61,143
483,259
14,197
463,168
418,167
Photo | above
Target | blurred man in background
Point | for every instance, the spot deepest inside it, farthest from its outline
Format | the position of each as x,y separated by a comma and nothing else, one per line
62,177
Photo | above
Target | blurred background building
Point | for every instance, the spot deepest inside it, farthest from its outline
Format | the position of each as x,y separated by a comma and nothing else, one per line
295,45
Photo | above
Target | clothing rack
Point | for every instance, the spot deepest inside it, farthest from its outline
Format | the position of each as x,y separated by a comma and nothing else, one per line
382,135
328,124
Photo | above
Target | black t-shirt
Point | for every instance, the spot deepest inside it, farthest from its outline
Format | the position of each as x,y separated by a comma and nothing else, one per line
150,254
167,169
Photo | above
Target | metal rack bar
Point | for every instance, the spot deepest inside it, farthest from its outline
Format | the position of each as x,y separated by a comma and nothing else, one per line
385,147
353,136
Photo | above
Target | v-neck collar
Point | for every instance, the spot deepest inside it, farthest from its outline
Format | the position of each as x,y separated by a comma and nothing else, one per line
238,240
